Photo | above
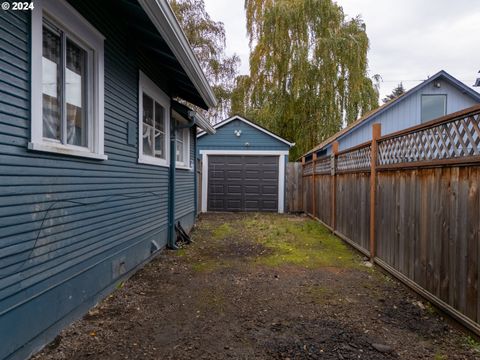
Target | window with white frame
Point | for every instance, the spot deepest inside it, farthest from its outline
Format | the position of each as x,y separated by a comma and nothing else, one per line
153,123
182,139
67,82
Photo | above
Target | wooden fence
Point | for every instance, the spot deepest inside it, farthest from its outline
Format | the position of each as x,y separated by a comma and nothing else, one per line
411,201
293,188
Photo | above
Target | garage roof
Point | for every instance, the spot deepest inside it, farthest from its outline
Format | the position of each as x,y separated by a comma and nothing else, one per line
249,122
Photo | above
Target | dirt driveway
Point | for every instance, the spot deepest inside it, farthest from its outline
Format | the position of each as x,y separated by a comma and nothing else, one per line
262,287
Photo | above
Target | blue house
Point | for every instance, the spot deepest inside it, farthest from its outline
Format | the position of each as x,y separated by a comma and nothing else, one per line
439,95
97,161
243,167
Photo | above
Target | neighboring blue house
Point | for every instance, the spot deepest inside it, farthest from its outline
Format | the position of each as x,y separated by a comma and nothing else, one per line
97,162
439,95
243,167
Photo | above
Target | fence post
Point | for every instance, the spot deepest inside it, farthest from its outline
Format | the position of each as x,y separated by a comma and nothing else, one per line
304,206
376,133
333,173
314,200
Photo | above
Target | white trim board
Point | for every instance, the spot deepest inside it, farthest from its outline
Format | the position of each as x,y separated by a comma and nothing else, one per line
244,152
237,117
85,35
282,158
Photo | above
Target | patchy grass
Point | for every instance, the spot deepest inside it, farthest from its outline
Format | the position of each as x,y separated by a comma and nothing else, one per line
306,243
472,343
319,294
222,232
206,265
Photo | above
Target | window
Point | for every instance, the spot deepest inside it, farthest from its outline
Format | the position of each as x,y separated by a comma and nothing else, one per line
182,138
153,123
67,82
433,106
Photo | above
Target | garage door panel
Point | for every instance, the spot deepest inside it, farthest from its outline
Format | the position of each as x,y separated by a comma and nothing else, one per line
252,189
242,183
234,205
217,189
234,174
271,205
234,189
252,174
218,174
270,190
216,204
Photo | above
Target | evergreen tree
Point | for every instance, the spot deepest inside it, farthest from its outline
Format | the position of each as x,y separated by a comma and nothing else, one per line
399,90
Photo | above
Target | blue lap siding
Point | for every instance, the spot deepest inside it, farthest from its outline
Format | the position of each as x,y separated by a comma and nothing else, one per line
225,139
70,228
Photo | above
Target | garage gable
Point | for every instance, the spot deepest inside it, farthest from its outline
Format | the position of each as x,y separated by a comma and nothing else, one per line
237,133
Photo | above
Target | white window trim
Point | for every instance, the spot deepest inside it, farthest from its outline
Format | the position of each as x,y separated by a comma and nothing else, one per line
186,145
282,157
63,14
147,86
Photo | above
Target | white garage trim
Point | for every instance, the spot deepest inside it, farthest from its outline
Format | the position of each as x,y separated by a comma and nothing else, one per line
248,122
244,152
282,157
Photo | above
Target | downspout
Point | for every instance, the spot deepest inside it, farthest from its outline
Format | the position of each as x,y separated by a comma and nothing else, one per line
172,235
195,180
171,242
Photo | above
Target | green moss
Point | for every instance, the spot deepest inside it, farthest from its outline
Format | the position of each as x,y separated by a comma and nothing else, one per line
181,252
439,356
318,294
303,243
472,343
205,266
222,231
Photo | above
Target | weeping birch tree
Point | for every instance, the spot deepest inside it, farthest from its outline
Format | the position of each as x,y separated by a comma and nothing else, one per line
207,39
308,70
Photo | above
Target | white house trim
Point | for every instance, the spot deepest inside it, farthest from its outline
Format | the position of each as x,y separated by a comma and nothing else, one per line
281,183
85,35
244,152
147,86
282,158
236,117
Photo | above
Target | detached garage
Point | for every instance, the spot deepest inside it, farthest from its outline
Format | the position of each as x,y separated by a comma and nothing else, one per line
243,167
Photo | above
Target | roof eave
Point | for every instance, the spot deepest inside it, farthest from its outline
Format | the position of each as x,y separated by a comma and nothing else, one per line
241,118
162,16
203,123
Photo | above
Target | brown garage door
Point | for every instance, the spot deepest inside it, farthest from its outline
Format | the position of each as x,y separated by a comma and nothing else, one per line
242,183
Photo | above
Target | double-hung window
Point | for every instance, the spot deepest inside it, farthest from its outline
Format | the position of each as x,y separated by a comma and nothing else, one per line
182,139
67,82
154,123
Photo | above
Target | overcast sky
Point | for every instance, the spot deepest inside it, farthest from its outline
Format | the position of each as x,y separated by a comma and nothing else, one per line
409,39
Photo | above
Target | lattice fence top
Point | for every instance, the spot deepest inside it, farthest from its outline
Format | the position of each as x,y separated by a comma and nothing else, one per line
358,159
308,168
323,165
455,139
